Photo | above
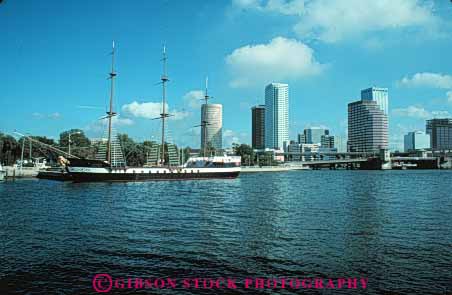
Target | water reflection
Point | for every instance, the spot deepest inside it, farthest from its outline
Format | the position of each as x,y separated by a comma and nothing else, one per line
391,226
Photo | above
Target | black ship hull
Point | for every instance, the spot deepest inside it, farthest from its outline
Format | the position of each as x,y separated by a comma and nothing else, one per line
82,170
118,177
54,175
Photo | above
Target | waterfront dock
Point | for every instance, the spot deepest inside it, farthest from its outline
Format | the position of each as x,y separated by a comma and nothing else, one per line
18,172
282,168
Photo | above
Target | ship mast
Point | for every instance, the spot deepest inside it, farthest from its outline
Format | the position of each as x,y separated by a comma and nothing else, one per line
204,122
163,115
110,113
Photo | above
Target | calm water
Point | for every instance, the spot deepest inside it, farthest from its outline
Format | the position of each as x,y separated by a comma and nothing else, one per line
394,227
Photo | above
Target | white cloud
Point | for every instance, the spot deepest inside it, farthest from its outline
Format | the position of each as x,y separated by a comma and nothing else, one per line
279,60
228,133
426,79
55,116
419,113
230,137
117,121
193,98
247,3
336,20
52,116
291,7
99,126
148,110
432,80
151,110
332,21
449,96
440,114
412,111
178,115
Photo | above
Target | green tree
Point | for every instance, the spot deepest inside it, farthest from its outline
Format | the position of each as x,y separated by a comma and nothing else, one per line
39,150
267,159
245,151
80,144
44,139
9,149
133,152
210,150
186,151
78,139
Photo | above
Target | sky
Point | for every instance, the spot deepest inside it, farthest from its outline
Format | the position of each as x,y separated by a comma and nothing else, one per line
55,59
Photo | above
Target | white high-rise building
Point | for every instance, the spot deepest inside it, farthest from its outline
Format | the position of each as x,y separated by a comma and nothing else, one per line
380,95
367,127
212,119
276,115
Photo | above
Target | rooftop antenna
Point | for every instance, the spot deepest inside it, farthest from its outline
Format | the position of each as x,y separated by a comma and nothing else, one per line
206,95
110,113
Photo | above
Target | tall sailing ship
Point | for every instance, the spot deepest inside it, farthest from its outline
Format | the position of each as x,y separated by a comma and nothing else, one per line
110,164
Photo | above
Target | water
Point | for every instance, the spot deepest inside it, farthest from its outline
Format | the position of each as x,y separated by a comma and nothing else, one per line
393,227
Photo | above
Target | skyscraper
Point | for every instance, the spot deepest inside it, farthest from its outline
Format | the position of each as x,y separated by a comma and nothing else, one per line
367,127
314,134
380,95
212,122
276,115
416,140
258,127
440,131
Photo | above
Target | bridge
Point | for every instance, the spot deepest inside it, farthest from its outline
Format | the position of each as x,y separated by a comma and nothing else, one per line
376,160
361,160
334,160
345,155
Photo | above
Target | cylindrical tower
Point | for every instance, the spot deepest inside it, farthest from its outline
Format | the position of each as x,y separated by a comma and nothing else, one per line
212,118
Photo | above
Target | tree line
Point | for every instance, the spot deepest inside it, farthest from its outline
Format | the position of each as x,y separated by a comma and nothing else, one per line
135,153
251,158
12,149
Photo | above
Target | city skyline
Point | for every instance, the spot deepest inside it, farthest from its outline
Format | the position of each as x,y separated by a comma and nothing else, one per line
58,82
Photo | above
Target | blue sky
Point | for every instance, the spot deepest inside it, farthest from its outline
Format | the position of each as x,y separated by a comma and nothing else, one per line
54,57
